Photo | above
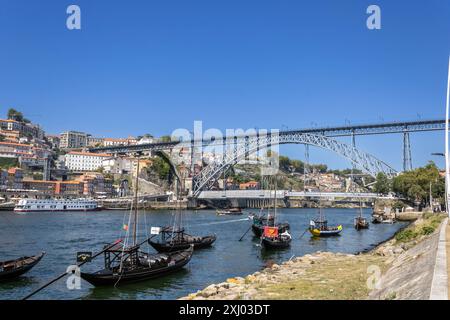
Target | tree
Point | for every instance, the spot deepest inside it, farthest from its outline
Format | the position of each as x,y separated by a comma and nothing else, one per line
382,184
13,114
161,168
415,185
166,139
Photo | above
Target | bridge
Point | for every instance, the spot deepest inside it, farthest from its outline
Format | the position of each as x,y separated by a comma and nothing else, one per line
244,145
268,194
404,127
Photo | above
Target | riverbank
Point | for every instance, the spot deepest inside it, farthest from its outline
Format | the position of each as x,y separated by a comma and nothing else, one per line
400,268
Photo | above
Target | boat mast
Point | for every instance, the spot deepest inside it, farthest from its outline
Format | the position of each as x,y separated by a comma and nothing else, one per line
275,201
136,201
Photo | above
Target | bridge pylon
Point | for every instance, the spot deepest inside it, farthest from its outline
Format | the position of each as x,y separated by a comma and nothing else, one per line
407,159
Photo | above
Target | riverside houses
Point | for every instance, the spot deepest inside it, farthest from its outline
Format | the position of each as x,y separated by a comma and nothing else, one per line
84,161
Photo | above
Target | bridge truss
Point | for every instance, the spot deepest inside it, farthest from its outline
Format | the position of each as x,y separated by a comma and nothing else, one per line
366,162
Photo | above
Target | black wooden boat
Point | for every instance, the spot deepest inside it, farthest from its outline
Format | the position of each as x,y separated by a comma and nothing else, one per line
124,262
175,239
258,228
361,223
14,268
132,265
261,221
279,241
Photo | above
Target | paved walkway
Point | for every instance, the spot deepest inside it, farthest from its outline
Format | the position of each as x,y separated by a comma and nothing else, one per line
440,283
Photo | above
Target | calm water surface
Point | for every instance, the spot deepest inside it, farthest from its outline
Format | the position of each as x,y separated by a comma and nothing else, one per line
61,235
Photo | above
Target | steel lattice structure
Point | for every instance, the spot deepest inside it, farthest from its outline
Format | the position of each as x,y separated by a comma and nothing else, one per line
366,162
350,130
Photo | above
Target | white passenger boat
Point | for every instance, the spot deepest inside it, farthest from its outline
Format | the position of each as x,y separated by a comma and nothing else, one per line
31,205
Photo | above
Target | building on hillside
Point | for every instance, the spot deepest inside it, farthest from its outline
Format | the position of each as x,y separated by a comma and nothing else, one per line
96,185
94,142
10,135
25,129
251,185
3,179
73,140
110,142
54,141
14,150
70,189
117,165
15,178
143,163
84,161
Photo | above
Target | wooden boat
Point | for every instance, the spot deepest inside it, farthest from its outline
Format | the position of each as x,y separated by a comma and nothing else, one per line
380,219
14,268
274,237
361,223
125,262
228,212
177,239
320,228
258,227
131,265
279,241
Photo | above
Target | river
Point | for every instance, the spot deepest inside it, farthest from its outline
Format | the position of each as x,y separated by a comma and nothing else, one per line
61,235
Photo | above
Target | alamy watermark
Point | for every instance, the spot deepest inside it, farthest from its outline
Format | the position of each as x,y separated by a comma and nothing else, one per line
250,146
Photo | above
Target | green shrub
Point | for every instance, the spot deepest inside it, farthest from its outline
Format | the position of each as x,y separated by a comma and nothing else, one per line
405,235
426,230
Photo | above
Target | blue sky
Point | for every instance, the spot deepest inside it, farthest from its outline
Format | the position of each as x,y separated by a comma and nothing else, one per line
154,66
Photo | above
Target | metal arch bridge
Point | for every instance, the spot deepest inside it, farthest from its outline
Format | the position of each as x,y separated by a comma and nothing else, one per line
404,127
366,162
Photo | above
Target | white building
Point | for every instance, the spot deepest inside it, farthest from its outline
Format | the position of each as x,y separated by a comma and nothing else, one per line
73,139
117,165
110,142
84,161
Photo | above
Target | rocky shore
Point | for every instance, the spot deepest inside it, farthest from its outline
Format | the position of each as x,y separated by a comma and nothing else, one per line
399,268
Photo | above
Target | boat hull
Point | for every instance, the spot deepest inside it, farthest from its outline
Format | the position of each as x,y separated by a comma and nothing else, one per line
205,242
142,273
6,275
326,233
269,243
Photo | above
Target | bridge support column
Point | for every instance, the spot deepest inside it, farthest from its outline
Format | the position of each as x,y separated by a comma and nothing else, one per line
407,160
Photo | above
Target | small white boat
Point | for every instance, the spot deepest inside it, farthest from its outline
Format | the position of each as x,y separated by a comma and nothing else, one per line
35,205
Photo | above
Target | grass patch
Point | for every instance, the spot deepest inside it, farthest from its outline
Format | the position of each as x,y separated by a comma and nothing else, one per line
423,227
334,278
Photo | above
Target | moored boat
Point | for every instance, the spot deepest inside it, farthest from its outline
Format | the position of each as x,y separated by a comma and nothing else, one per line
360,222
229,212
274,236
175,239
320,227
14,268
125,262
272,239
36,205
131,265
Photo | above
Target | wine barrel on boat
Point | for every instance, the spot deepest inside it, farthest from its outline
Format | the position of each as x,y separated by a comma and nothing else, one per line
14,268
